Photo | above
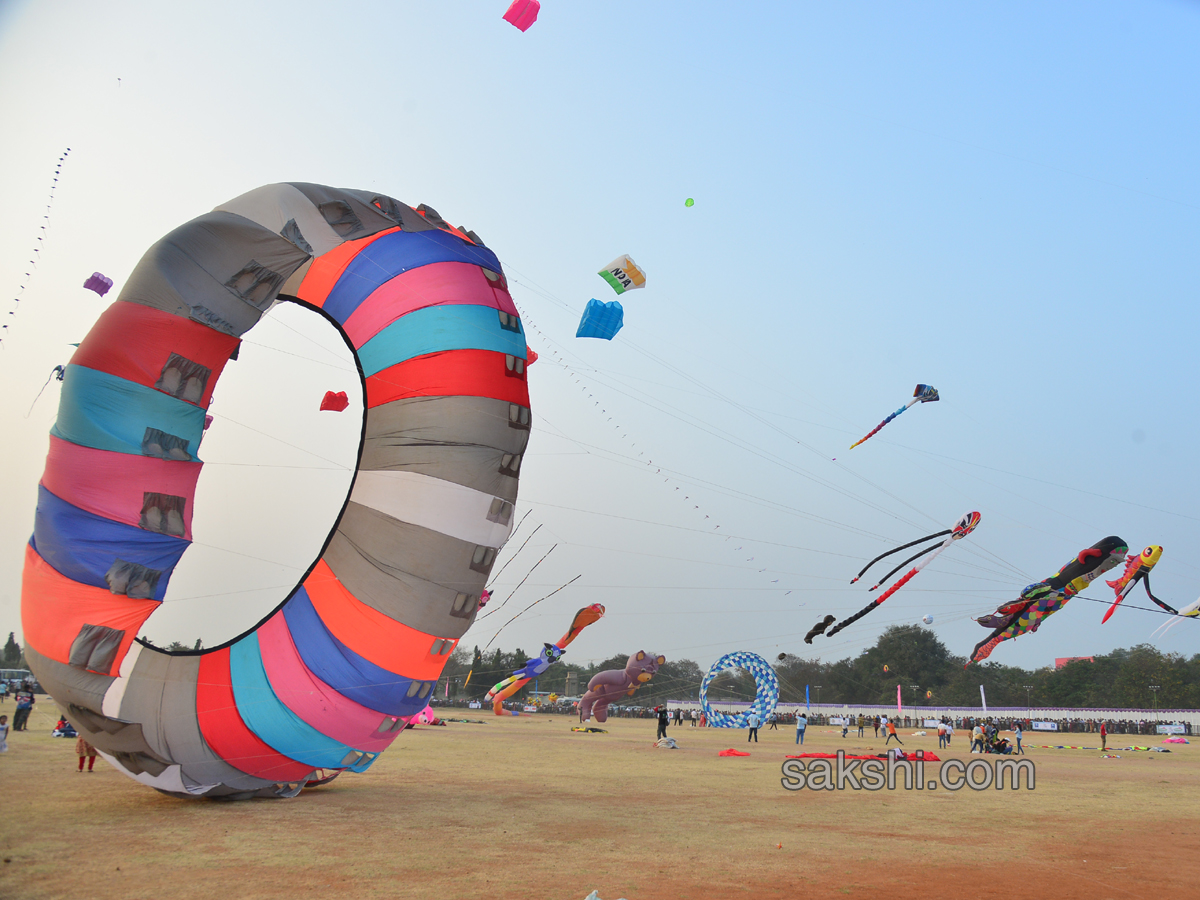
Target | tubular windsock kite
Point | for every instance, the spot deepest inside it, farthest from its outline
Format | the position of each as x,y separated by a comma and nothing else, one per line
331,676
964,526
1045,598
551,653
925,393
1137,568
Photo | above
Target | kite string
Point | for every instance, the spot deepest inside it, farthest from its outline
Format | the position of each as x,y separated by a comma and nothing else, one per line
57,370
518,587
529,607
519,549
41,239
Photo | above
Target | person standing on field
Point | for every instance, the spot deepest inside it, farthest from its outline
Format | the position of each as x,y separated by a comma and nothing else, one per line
801,727
85,751
891,730
753,721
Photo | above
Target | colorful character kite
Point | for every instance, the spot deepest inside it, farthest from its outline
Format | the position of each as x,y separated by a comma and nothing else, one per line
925,393
331,676
964,526
551,653
611,684
601,320
98,283
522,13
625,275
1137,568
819,628
1043,599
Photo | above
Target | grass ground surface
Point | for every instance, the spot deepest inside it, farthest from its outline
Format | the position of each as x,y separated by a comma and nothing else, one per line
526,808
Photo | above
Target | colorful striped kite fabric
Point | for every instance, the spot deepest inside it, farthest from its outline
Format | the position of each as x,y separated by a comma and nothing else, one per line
332,676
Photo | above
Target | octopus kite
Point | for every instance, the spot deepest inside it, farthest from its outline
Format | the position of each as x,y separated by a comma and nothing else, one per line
1037,601
964,526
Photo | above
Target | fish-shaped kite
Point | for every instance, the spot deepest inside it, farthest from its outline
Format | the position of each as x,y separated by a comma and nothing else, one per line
1045,598
967,523
1137,568
925,393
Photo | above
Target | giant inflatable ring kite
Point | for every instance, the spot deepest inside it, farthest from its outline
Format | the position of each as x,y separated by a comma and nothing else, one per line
766,689
333,674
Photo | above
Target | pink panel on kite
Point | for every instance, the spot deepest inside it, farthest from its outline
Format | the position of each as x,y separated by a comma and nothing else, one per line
438,284
314,701
114,485
523,13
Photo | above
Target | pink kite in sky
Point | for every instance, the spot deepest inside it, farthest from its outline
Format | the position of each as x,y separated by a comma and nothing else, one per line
523,13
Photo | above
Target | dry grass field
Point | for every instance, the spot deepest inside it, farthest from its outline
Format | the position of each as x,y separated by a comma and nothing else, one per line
526,808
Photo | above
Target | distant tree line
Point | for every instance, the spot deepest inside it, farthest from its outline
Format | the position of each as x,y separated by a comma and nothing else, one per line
928,674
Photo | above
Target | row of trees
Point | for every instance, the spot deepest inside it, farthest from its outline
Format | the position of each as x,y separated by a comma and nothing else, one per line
928,674
915,659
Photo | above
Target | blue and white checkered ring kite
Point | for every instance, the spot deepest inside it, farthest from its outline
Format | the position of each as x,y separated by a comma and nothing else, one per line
765,698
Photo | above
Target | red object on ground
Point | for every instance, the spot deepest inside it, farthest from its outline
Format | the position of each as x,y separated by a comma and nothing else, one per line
523,13
335,402
732,752
910,757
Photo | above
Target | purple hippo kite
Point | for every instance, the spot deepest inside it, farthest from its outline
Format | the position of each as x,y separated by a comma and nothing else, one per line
607,686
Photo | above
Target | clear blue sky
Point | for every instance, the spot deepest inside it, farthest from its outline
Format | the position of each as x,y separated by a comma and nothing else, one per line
1002,202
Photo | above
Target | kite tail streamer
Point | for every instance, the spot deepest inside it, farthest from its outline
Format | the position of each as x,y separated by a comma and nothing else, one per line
928,537
1169,609
874,431
916,555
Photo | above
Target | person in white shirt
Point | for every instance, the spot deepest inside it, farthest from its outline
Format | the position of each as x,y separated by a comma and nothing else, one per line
753,721
801,726
941,735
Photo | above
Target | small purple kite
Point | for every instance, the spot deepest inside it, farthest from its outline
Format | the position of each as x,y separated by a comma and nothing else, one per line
523,13
98,283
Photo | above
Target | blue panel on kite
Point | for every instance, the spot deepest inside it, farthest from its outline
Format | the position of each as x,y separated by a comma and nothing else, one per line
341,668
94,550
601,320
392,255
